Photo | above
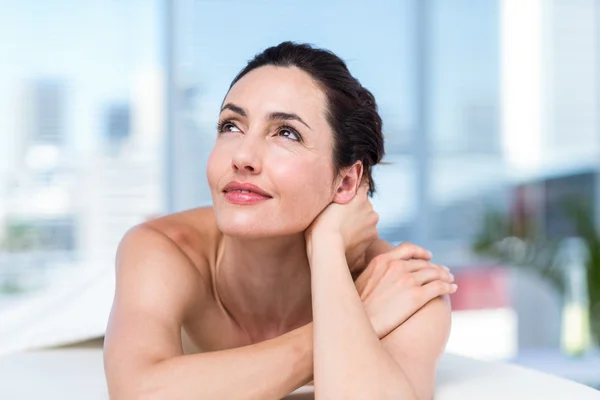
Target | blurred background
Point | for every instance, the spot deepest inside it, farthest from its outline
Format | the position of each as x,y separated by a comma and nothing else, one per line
491,117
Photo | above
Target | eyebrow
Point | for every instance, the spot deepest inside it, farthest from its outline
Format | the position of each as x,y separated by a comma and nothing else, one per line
274,116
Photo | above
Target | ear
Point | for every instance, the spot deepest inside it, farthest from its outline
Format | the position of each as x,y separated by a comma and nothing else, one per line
349,181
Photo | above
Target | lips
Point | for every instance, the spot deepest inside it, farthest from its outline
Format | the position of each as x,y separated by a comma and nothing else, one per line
245,187
245,193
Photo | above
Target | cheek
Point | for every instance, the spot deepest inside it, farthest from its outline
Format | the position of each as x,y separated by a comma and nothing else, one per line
215,167
304,188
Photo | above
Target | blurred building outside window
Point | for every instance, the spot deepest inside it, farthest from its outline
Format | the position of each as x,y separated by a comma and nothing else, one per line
81,112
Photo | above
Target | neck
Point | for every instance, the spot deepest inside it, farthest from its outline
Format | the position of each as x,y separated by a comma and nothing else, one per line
265,283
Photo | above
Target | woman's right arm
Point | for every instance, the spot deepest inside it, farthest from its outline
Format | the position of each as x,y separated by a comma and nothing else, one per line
157,286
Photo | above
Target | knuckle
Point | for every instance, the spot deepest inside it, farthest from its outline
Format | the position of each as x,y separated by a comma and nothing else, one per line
414,281
411,279
407,279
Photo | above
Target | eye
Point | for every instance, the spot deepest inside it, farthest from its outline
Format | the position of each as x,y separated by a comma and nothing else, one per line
290,133
226,126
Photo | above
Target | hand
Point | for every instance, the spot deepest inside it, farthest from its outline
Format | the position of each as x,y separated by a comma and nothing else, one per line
398,283
355,222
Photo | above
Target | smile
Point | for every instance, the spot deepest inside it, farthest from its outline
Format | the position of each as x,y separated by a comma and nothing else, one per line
244,197
245,193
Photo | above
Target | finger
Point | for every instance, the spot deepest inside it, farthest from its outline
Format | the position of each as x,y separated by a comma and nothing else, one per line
412,266
416,264
430,274
409,265
437,288
375,217
443,267
406,251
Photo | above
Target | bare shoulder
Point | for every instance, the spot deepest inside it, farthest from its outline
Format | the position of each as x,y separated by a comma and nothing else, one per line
178,249
195,234
162,278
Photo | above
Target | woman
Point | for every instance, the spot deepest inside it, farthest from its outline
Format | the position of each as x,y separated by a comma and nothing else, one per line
262,282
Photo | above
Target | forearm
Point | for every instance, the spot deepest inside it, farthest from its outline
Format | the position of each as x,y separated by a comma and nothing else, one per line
349,360
267,370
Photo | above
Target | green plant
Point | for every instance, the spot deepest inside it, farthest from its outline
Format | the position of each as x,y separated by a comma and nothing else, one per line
521,244
584,223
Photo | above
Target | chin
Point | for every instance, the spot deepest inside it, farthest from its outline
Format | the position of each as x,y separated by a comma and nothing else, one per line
243,224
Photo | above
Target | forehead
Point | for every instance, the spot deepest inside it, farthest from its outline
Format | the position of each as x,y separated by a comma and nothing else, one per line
288,89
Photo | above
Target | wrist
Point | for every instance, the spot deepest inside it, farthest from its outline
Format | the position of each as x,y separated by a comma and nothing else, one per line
324,241
324,233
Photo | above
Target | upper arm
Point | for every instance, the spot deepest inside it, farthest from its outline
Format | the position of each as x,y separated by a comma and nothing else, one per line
418,343
156,285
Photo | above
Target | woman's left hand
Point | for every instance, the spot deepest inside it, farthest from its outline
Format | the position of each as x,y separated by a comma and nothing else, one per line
400,282
355,222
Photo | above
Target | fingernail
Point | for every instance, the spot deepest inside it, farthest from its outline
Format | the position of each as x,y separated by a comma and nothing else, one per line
454,287
430,253
451,277
446,268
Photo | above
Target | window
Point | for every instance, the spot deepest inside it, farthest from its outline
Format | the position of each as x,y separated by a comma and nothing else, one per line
81,131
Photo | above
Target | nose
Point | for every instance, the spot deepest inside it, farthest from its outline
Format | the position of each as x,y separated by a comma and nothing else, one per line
246,157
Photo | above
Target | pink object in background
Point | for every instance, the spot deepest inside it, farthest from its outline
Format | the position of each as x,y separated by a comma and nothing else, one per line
480,288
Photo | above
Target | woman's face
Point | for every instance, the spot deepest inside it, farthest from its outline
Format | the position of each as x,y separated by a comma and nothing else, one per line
273,134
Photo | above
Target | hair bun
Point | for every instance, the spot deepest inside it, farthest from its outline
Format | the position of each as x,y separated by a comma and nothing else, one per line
366,98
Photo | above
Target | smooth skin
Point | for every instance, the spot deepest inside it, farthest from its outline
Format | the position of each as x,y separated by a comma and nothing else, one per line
265,291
